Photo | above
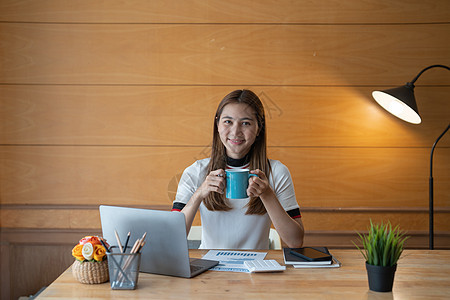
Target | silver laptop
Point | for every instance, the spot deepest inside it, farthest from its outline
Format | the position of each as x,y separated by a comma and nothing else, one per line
166,249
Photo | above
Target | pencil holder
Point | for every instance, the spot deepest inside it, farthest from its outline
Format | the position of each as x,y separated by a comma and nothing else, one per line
124,270
90,272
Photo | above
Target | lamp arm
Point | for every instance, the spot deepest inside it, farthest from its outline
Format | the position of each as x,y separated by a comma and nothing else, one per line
427,68
431,204
434,146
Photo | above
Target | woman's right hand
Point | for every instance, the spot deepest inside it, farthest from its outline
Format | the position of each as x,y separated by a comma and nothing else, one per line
214,182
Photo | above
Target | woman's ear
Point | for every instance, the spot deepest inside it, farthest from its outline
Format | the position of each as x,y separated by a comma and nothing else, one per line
259,130
261,125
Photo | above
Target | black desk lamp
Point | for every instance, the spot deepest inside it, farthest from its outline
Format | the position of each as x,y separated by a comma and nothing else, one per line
401,103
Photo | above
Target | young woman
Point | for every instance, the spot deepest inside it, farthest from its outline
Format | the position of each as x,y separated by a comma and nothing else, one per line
239,141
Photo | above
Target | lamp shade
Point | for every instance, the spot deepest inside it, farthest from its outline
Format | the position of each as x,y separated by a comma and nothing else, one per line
400,102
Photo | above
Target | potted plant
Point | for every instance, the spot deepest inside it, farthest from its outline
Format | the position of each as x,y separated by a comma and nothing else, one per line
382,248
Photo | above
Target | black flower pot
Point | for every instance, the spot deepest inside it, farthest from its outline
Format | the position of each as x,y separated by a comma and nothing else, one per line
381,279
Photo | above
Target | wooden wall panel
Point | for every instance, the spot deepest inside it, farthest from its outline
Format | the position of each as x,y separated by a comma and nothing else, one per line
314,219
221,54
50,218
338,239
133,115
49,261
323,177
359,221
99,115
232,11
87,175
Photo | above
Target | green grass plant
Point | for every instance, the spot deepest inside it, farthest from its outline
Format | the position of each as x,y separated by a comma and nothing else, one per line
382,245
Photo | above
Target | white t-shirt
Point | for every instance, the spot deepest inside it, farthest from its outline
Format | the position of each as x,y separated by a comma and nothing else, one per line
234,229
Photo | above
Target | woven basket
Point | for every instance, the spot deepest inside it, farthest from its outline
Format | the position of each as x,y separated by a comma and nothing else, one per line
90,272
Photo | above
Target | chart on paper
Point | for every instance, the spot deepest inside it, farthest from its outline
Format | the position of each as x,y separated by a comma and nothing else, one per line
233,261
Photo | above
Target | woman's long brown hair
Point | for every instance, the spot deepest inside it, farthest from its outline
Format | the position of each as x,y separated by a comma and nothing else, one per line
257,154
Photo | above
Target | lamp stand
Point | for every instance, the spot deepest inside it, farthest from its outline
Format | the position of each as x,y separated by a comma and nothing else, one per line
431,188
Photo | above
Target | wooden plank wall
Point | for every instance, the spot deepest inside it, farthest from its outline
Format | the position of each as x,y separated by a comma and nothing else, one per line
106,102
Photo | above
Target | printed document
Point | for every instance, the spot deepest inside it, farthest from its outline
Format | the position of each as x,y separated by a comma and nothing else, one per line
233,261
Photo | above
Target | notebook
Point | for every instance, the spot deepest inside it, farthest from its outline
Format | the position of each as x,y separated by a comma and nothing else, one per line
166,249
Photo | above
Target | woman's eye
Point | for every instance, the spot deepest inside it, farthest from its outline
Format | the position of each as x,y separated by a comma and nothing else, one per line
227,122
246,123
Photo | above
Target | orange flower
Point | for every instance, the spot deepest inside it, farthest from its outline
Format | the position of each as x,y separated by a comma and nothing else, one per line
85,240
99,252
77,252
94,240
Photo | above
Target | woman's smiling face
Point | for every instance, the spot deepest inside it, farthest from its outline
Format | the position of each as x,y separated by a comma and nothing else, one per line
238,129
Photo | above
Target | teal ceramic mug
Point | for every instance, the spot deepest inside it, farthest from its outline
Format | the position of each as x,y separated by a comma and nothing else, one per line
237,183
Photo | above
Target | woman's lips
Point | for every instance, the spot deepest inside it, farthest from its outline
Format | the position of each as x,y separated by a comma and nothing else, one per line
236,141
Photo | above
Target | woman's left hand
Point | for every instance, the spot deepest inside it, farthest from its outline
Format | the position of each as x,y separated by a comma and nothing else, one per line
258,186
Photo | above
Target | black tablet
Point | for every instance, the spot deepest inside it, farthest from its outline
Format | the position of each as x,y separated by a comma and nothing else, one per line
310,254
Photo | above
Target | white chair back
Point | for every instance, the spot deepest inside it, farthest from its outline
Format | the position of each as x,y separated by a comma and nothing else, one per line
195,237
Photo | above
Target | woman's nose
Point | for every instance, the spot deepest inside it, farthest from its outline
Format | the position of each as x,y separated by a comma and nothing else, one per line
236,128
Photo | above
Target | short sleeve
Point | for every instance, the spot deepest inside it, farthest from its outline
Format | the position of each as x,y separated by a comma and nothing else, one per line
283,186
190,181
